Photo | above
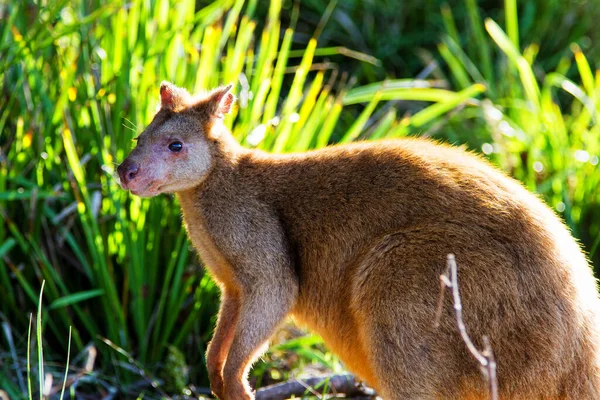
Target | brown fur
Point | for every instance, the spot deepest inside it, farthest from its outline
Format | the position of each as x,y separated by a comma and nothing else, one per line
351,240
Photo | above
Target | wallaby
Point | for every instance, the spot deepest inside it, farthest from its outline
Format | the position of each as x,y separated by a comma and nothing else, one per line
350,241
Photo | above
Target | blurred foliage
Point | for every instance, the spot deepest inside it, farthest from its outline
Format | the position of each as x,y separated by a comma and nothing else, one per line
79,80
402,35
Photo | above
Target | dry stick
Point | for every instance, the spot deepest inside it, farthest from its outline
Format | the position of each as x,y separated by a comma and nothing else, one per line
336,383
491,368
449,279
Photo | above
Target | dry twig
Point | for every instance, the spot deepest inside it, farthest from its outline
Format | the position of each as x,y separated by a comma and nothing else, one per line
335,383
485,358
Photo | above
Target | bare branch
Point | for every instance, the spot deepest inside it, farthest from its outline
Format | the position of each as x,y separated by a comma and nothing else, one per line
485,359
491,368
444,283
346,384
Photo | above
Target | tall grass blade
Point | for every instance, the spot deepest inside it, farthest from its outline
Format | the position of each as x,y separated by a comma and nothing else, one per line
430,113
481,44
40,349
62,392
449,22
525,72
458,71
29,388
356,128
512,21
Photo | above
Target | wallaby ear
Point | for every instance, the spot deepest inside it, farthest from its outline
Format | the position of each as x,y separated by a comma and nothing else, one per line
172,97
221,100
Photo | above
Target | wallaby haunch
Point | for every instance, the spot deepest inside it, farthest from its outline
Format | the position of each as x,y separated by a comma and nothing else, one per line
351,240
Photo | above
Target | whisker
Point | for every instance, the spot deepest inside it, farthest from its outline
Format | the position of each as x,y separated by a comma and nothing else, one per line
130,122
113,174
130,128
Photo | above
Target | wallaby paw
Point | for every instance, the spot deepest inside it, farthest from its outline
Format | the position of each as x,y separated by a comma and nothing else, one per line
217,386
238,392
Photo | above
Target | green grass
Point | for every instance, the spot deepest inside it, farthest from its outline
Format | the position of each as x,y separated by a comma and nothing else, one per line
23,388
80,80
404,35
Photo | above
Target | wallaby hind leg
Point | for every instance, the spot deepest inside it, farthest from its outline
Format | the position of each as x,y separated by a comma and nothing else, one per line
534,330
395,299
395,289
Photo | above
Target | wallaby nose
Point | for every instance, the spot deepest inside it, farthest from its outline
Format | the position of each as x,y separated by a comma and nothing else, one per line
127,172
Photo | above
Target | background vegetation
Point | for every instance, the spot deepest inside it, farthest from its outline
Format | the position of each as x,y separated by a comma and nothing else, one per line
79,79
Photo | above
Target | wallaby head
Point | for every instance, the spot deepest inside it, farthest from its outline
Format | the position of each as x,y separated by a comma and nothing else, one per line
176,151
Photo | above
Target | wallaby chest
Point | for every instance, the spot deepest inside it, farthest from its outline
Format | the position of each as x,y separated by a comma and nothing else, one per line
204,240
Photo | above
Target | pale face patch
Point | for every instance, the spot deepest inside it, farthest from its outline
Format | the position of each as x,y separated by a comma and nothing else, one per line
171,156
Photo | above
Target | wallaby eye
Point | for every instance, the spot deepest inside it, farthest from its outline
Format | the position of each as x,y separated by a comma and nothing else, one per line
176,147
